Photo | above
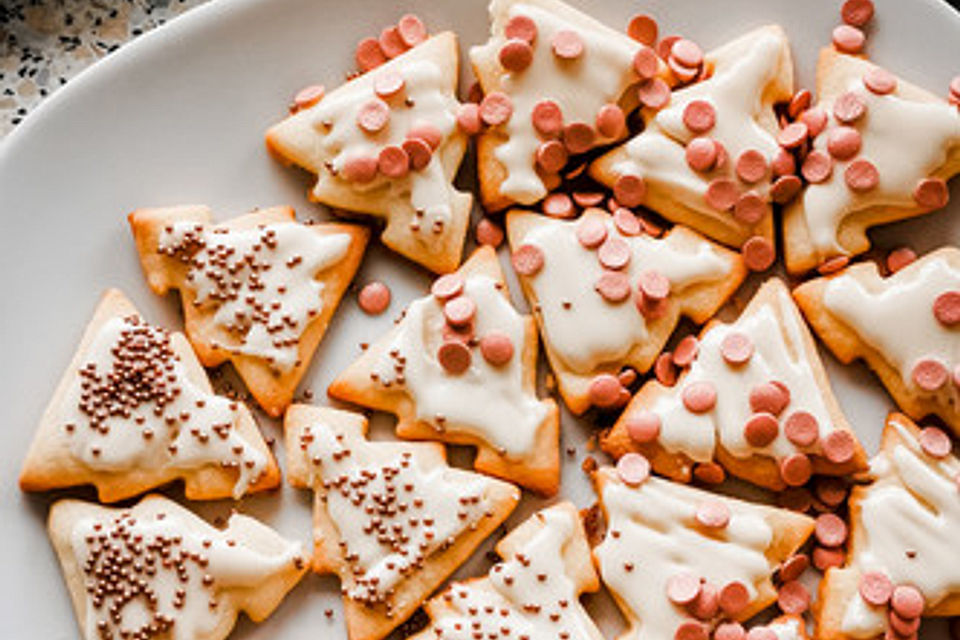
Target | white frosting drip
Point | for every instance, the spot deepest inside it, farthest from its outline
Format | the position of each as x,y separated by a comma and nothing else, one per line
594,331
487,401
288,276
736,92
914,506
778,356
522,602
139,438
895,317
442,502
658,534
231,566
790,629
906,141
580,87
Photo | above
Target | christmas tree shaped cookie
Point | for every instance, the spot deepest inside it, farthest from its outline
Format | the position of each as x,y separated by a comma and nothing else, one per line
258,290
390,518
884,154
709,159
678,560
387,144
460,367
901,564
157,570
608,296
905,326
556,84
134,411
533,593
755,398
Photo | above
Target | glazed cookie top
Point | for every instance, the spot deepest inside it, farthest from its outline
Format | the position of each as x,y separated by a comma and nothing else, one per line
131,405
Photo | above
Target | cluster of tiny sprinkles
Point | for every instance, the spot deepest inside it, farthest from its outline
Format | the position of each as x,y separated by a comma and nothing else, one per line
929,373
614,253
260,281
398,521
145,383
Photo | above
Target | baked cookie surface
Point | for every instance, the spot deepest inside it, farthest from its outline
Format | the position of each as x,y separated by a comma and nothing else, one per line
391,519
135,410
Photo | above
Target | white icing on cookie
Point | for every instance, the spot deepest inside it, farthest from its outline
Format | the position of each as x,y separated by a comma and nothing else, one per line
593,331
895,316
527,594
131,406
736,92
790,629
487,401
911,519
601,74
931,128
778,356
652,535
261,283
156,570
392,508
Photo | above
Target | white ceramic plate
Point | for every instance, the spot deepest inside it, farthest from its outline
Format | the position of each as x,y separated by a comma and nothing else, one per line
178,117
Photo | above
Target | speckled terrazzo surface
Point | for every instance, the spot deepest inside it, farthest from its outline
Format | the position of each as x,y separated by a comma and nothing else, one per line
44,43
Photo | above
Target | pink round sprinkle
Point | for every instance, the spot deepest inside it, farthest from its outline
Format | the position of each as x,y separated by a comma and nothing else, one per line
683,73
699,116
861,175
646,63
722,194
412,30
834,264
797,499
686,351
468,118
793,598
843,142
626,222
783,163
701,154
391,42
691,630
591,232
901,627
373,116
734,598
799,103
629,190
946,308
654,93
785,189
527,260
935,442
831,491
665,45
849,107
751,166
654,285
736,348
729,631
793,135
547,118
848,39
418,152
642,426
604,390
750,208
801,428
687,53
664,370
613,286
611,121
769,397
907,601
931,193
699,397
552,156
489,233
643,28
929,374
839,447
393,162
816,120
587,199
761,429
522,28
758,253
579,137
796,469
516,55
899,258
497,348
447,286
793,567
567,44
374,298
388,83
558,205
454,356
369,55
460,311
496,108
824,558
614,253
683,588
830,530
857,13
707,604
880,81
308,96
817,167
875,588
633,469
713,514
